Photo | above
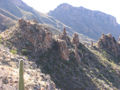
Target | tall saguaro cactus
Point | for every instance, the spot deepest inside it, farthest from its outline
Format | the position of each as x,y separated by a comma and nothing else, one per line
21,75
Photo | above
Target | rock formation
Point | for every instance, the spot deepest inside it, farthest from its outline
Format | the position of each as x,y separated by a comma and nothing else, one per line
63,49
108,43
77,56
91,43
65,37
48,39
75,39
31,36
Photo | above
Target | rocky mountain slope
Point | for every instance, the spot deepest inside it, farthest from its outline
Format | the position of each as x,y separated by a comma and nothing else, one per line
85,21
110,45
70,64
9,72
16,9
6,22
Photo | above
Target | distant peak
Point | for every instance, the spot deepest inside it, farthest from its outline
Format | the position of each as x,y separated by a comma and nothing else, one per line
65,5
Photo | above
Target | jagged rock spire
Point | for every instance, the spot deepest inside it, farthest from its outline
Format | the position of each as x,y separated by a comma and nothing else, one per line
75,39
91,43
77,56
63,49
65,37
108,43
103,35
64,31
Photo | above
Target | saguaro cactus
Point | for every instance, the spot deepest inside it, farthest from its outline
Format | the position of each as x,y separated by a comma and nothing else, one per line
21,75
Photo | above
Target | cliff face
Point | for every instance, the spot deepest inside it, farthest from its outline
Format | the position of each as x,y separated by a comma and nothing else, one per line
108,43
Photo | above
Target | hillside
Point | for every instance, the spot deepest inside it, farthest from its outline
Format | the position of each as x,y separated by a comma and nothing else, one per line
70,64
16,9
9,72
88,22
6,22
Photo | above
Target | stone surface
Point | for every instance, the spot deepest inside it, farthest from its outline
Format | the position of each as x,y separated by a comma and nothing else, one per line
77,56
31,36
108,42
75,39
64,51
9,71
65,37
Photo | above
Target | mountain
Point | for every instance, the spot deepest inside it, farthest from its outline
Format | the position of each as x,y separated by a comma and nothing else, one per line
53,60
16,9
88,22
64,63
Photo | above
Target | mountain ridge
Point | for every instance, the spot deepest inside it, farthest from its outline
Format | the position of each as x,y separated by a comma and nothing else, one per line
88,22
18,9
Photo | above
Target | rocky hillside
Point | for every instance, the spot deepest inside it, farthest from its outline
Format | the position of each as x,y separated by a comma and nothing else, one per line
70,64
89,23
16,9
110,45
6,22
9,72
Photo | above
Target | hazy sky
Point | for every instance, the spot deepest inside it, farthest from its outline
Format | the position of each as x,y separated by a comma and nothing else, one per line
108,6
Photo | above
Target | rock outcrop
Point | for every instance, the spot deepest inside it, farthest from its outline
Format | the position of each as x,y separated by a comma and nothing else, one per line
64,51
77,56
38,36
108,43
31,36
65,37
75,39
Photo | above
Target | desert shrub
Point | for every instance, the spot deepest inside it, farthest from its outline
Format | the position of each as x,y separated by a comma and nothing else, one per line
1,40
13,51
25,51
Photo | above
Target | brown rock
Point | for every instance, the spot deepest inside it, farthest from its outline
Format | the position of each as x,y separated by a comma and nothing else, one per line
65,37
63,49
108,43
77,56
48,39
75,39
64,32
38,37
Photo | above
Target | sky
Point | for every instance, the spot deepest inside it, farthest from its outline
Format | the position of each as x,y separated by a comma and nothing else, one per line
111,7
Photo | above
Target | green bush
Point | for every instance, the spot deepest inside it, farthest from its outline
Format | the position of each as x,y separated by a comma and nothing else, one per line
25,52
13,51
